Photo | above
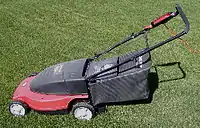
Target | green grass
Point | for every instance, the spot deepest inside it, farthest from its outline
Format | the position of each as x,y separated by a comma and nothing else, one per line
35,34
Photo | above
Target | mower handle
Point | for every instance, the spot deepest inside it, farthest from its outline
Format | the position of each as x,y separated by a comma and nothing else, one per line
184,18
168,16
148,49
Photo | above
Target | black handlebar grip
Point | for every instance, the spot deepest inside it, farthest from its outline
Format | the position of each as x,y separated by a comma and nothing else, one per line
184,18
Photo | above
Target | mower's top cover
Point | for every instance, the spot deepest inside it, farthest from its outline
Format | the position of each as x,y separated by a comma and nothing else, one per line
62,78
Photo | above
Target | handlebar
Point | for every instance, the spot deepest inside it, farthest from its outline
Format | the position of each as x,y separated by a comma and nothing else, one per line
161,20
168,16
184,18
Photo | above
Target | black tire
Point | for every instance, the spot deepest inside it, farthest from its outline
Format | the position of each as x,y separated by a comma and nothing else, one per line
15,106
83,111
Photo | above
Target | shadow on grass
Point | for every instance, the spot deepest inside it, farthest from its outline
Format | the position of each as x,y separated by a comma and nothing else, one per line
154,79
58,112
168,65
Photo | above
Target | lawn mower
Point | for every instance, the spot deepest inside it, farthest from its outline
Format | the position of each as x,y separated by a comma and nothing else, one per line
83,86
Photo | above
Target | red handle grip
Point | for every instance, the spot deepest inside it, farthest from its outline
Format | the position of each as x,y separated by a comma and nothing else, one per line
162,19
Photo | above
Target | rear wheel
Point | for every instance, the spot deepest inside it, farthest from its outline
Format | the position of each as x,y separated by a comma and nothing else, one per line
83,111
17,108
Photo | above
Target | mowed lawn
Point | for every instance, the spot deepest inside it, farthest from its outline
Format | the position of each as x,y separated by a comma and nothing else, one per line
35,34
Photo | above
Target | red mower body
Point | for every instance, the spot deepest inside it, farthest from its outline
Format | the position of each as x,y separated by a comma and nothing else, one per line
43,102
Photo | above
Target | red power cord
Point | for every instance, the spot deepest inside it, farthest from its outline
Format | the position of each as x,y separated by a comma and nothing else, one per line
173,33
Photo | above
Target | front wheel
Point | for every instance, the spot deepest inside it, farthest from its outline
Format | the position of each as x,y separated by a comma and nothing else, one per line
83,111
17,108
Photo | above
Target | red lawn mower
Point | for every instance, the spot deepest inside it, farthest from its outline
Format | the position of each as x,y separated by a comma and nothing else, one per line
83,86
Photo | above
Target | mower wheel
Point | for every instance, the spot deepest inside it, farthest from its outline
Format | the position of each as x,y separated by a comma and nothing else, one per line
83,111
18,108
